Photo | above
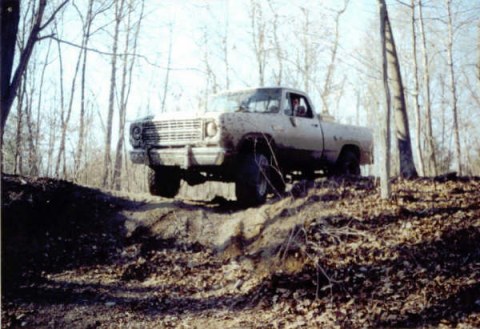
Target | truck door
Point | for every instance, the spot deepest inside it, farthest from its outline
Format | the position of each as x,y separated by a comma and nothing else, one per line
303,131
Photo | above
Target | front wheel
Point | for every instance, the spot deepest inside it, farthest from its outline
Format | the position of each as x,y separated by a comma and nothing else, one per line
251,186
164,181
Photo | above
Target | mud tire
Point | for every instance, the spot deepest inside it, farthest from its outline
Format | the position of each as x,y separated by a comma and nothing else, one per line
164,181
251,185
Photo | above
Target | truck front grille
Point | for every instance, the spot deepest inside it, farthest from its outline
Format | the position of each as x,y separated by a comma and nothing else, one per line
172,132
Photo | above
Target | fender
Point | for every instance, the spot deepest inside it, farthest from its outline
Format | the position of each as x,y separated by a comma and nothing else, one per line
258,142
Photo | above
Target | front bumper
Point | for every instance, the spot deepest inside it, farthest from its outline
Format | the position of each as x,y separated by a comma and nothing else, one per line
184,157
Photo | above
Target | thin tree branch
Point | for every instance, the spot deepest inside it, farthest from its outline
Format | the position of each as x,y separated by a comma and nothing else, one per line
53,15
107,53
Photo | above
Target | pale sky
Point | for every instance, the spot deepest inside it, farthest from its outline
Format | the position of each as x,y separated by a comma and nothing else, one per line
187,19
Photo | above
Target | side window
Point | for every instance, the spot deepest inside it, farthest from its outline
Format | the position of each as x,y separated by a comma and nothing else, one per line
304,109
297,105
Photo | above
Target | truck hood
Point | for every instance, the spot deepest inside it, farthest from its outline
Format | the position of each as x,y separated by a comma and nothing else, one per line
166,116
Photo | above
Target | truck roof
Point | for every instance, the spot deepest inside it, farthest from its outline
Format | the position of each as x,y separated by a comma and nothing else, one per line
257,88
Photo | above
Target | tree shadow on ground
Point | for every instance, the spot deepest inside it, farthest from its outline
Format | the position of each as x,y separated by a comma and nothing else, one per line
51,225
442,268
137,298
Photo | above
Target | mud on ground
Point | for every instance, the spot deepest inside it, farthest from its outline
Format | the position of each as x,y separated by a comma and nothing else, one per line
328,254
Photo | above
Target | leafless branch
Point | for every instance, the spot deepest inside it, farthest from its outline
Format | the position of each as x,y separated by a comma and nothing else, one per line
53,15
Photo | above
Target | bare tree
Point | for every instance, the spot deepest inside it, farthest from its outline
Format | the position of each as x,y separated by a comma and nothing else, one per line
407,166
61,156
31,147
308,51
40,105
478,54
416,105
125,91
331,66
18,160
10,15
453,88
21,97
52,123
385,189
427,102
107,160
277,45
211,84
87,25
168,69
226,45
259,31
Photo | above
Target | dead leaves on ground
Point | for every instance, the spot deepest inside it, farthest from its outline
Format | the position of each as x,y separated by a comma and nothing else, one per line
413,261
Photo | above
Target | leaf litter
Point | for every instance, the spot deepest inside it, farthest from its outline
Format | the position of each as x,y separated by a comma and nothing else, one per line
328,254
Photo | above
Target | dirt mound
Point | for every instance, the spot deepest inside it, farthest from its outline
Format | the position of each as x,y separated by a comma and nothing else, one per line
52,225
327,254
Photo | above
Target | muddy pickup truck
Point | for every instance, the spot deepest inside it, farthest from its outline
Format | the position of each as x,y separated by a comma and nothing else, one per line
257,138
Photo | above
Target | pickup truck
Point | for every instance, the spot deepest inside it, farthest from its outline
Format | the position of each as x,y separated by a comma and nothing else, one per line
257,138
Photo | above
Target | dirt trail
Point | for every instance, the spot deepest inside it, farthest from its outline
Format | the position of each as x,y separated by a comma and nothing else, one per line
328,254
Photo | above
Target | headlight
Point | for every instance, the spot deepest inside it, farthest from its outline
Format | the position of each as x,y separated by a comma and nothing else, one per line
135,135
136,132
211,129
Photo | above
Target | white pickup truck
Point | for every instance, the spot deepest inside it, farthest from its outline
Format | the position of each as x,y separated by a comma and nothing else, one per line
258,138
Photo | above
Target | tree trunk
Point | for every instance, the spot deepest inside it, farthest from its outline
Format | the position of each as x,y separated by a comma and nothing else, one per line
18,169
385,190
107,161
61,156
478,55
10,17
416,106
307,51
62,103
432,163
226,45
258,37
331,67
124,94
51,143
277,45
407,166
169,64
211,79
81,129
32,157
453,89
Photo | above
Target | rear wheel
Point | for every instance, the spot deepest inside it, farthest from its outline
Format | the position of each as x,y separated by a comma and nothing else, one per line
251,186
164,181
348,163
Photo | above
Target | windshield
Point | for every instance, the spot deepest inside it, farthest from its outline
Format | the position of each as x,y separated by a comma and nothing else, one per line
257,100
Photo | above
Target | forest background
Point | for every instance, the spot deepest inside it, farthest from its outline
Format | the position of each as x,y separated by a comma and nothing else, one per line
99,64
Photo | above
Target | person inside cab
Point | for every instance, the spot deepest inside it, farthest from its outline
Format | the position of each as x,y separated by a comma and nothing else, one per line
298,109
